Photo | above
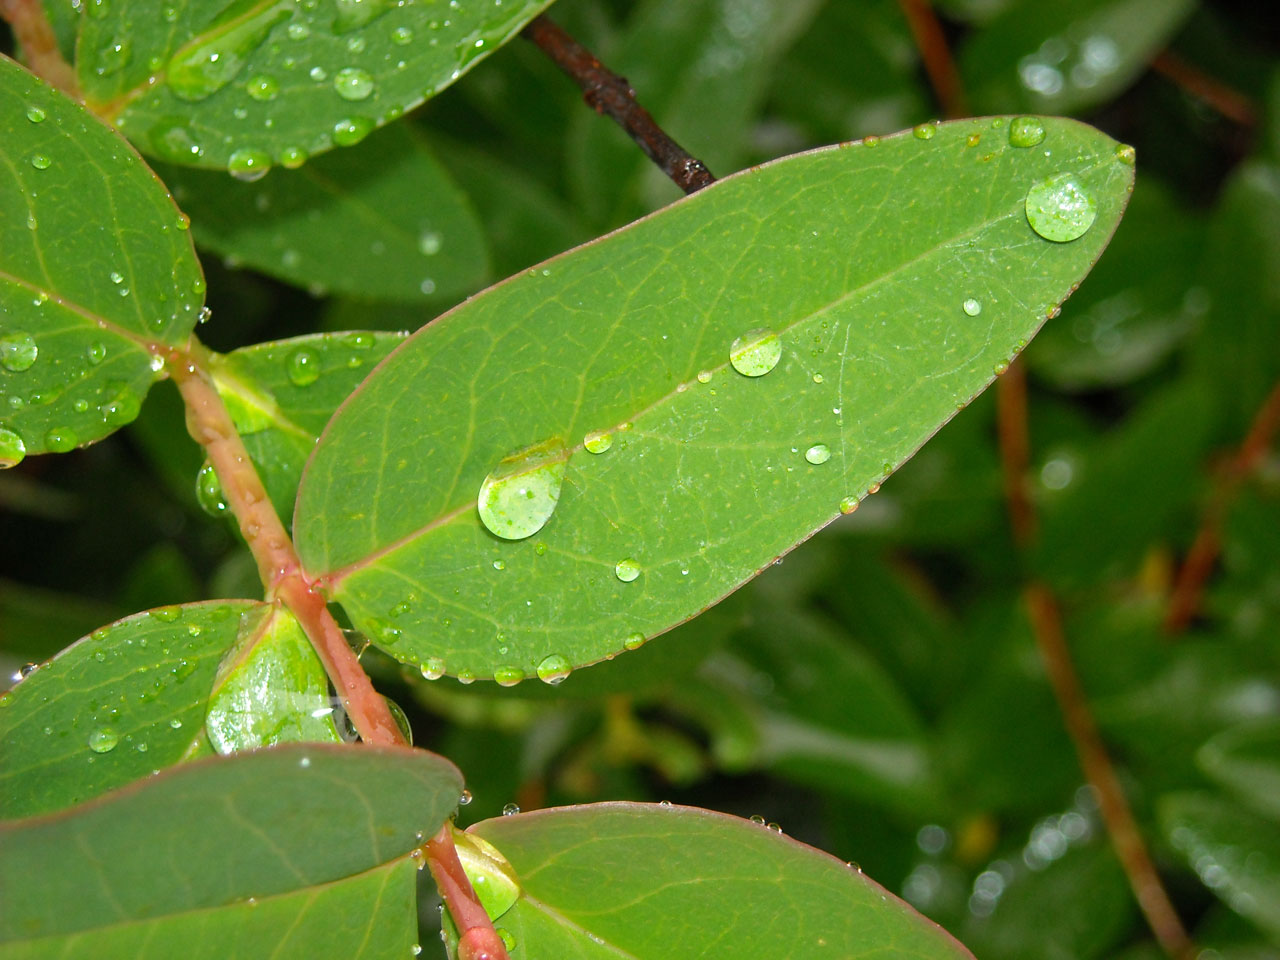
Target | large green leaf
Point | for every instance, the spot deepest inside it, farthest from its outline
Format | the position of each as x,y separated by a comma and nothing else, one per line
900,277
648,881
96,273
250,83
185,855
383,221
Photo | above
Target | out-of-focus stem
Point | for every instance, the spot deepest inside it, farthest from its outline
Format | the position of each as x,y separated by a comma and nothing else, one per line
35,36
936,55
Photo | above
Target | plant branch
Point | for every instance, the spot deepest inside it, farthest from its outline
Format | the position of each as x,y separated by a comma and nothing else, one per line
35,36
477,940
1015,452
1188,587
1046,623
211,426
936,55
611,95
1232,104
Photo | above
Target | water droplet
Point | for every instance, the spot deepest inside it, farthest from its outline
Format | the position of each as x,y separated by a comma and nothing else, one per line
12,449
171,140
213,58
262,87
773,827
429,243
871,140
103,740
18,351
755,353
499,565
757,820
248,164
973,139
465,798
302,367
597,441
704,376
35,114
113,56
1059,209
352,14
175,723
291,158
120,404
40,161
352,83
511,809
626,570
519,495
848,505
402,36
1126,154
818,453
507,937
924,131
972,307
554,669
432,668
209,491
350,131
507,676
184,222
1000,369
168,614
633,641
297,31
1026,132
60,439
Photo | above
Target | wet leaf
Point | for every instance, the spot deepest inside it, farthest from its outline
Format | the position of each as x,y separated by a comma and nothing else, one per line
855,257
82,309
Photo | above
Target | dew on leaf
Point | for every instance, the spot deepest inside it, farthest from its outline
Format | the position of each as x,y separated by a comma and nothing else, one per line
1059,209
464,798
249,164
598,441
510,809
924,131
12,449
263,87
352,14
519,495
214,58
41,161
1126,154
848,505
818,453
121,405
18,351
291,158
554,669
169,614
704,376
755,353
633,641
35,114
401,36
971,307
209,491
351,130
302,367
1026,132
507,676
352,83
432,668
626,570
60,439
103,740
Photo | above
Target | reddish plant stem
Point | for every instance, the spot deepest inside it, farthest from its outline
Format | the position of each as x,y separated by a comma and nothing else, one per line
477,940
35,36
936,55
1188,588
1046,623
1232,104
212,427
611,95
1015,450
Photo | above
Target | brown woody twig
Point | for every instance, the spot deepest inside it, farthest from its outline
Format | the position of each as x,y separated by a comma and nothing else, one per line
1231,103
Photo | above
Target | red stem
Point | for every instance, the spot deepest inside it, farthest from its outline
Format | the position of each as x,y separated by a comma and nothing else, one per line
936,55
477,940
35,36
1232,104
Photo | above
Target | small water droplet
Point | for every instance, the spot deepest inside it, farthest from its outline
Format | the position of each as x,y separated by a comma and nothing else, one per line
352,83
60,439
41,161
511,809
520,494
554,669
1026,132
871,140
499,565
167,614
704,376
627,570
175,723
507,676
633,641
465,798
209,491
972,307
597,441
402,36
351,130
18,351
924,131
12,450
302,367
248,164
1059,209
1000,369
297,31
103,740
818,453
432,668
35,114
848,505
755,353
291,158
1126,154
263,87
216,56
757,820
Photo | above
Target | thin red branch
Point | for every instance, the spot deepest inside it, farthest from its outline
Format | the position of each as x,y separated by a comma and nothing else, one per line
611,95
939,65
1188,588
1015,450
1232,104
477,940
35,36
1046,623
212,427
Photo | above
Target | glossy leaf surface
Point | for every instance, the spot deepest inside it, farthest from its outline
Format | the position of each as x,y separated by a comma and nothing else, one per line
280,824
647,881
95,270
899,278
281,394
128,699
382,221
257,82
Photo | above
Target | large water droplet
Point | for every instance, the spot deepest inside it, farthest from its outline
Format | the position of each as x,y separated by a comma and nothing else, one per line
519,495
35,114
755,353
60,439
303,367
432,668
626,570
209,491
351,130
352,14
818,453
352,83
213,59
12,449
554,669
1026,132
248,164
848,505
1059,209
18,351
96,352
103,740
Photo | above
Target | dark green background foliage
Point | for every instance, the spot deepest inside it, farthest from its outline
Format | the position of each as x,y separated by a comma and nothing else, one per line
878,693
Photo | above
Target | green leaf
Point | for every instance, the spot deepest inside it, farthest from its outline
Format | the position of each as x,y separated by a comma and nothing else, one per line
250,83
204,839
684,882
281,394
126,700
85,310
1235,853
383,221
861,258
1065,57
1246,760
